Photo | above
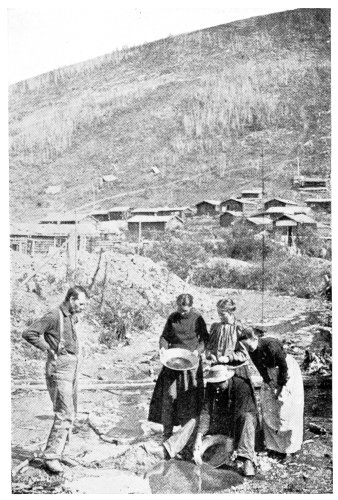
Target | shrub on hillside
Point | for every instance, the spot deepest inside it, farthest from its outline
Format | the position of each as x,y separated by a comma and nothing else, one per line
239,243
293,275
296,275
308,242
221,275
180,255
120,311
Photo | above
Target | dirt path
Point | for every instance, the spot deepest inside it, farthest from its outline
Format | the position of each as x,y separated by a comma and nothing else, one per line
122,415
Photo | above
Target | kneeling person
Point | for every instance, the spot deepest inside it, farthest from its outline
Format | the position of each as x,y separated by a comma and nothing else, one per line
230,410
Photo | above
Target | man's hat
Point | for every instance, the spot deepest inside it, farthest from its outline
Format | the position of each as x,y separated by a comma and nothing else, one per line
218,373
259,330
248,331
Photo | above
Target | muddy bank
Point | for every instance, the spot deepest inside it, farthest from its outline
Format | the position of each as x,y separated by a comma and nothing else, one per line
112,440
309,471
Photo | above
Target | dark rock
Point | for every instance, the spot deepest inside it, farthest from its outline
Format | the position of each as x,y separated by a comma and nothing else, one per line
316,429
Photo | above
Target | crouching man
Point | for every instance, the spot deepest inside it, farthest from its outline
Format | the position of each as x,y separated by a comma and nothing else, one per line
230,410
55,334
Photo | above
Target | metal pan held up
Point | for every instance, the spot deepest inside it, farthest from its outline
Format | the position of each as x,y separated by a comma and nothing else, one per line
233,366
179,359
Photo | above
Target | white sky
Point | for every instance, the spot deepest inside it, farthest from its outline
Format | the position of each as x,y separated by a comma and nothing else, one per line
41,39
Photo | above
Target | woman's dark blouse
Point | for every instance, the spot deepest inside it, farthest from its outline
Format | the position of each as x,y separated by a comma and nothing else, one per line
270,354
187,332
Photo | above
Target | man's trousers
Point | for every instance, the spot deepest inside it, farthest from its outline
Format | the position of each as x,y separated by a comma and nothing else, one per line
61,378
244,437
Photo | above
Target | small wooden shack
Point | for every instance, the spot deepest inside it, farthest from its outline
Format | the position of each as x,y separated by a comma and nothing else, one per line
239,205
41,238
252,194
34,238
276,212
208,207
257,223
278,202
100,215
319,204
53,189
65,218
181,212
144,211
228,218
109,178
286,227
119,213
309,183
153,223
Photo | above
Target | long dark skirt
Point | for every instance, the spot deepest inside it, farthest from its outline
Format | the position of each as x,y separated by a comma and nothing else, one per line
177,397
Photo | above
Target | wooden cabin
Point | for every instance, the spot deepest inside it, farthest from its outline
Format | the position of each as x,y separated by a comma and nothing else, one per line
309,183
276,212
181,212
278,202
239,205
71,218
90,235
252,194
208,207
319,204
53,189
153,223
144,211
228,218
34,238
119,213
109,178
258,223
286,227
100,215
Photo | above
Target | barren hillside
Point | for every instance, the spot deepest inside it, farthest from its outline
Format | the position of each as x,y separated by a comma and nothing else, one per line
205,108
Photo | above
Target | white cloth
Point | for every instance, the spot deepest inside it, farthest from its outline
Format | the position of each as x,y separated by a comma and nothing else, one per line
283,417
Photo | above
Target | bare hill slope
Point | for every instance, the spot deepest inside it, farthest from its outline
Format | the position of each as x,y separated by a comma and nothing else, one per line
201,107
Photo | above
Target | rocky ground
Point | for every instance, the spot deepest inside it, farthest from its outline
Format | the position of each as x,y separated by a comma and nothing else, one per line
114,444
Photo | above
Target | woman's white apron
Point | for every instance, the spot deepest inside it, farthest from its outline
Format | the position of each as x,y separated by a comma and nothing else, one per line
283,417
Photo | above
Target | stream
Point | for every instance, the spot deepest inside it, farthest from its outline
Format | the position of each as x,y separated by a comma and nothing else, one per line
120,418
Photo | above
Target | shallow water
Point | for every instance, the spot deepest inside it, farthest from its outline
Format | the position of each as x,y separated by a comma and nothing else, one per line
131,408
174,476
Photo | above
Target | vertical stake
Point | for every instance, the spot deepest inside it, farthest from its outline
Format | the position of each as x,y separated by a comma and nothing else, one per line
263,238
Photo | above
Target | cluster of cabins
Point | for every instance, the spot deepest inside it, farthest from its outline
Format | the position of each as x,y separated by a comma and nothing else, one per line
103,228
283,217
106,228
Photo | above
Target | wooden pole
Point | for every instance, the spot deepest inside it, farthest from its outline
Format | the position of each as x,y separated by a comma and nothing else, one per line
263,241
139,236
75,250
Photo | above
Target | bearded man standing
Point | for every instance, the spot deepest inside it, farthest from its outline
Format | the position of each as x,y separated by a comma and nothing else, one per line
55,334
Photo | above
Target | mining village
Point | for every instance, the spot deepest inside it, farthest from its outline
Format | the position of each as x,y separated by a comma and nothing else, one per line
170,280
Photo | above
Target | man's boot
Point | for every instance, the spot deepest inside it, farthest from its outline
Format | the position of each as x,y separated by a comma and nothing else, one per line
54,466
248,468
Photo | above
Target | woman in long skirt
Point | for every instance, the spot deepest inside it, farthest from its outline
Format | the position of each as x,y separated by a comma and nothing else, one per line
178,395
282,394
